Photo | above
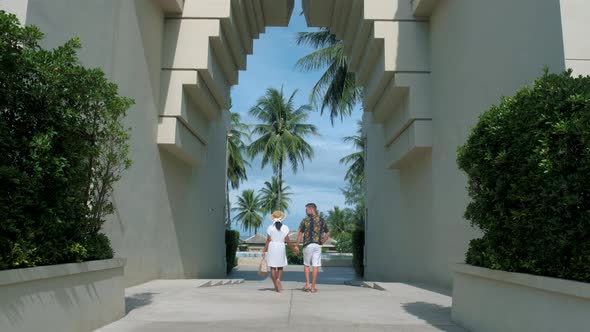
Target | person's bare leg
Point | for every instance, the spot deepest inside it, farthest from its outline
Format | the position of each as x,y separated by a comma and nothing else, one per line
279,277
316,269
306,272
273,275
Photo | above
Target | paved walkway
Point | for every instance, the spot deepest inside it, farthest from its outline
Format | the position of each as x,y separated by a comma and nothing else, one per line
181,305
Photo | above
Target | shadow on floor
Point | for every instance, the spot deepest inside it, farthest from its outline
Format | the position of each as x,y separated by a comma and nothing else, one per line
432,288
136,301
434,314
270,290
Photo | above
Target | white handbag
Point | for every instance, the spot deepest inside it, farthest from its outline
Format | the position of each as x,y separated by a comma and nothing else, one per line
263,268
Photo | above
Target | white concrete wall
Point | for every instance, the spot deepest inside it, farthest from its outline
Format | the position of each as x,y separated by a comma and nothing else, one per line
66,298
575,15
169,218
479,51
489,301
19,8
381,239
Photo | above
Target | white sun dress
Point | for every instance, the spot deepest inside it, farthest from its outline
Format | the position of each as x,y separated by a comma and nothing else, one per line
276,255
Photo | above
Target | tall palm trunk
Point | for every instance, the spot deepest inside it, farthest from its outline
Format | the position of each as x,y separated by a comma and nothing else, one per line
282,134
280,190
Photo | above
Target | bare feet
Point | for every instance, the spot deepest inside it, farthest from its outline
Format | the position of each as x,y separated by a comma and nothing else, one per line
314,290
280,285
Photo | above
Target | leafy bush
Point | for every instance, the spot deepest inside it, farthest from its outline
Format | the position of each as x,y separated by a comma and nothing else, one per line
293,259
232,241
63,147
358,251
99,247
528,165
344,242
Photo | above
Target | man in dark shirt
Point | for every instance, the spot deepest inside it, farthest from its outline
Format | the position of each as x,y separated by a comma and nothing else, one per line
314,232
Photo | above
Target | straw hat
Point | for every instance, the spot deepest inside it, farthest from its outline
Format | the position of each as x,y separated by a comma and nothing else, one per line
277,216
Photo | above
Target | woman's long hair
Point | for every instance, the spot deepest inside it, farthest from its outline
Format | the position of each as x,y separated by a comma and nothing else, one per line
278,225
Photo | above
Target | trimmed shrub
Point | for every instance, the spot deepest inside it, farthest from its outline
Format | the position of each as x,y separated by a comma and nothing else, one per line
63,146
358,251
344,242
528,167
232,241
99,247
293,259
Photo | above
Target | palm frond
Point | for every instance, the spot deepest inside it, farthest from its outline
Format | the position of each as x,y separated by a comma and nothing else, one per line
321,58
281,132
269,196
236,163
336,89
316,39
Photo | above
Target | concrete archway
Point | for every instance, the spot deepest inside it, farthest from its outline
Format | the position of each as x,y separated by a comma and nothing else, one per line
387,44
428,67
415,196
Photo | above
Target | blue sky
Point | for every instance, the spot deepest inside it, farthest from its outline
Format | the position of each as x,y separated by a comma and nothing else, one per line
273,65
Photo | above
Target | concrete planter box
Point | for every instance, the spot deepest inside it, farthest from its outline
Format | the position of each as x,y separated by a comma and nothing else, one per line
69,297
487,300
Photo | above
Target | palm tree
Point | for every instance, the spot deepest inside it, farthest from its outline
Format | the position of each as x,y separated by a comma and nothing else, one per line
356,171
249,211
236,163
336,89
354,196
281,135
339,221
355,177
269,196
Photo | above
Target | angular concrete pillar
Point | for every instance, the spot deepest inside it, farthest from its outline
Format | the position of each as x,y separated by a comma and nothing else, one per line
576,24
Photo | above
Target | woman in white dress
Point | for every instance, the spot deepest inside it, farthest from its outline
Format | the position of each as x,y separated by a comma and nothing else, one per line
276,258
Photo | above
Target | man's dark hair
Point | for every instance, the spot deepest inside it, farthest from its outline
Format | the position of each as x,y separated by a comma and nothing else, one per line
315,207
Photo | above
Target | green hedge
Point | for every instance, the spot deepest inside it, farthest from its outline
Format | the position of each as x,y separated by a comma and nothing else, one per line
293,259
358,251
344,242
232,241
528,167
62,145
